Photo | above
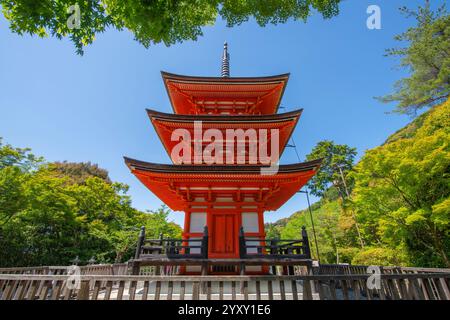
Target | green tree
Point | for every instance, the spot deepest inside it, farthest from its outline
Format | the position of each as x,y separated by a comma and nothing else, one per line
151,21
79,171
402,192
16,165
18,157
273,230
331,237
379,257
338,160
156,224
51,213
427,58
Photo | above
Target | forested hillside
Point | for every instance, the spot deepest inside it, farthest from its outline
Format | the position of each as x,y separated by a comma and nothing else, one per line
52,213
400,200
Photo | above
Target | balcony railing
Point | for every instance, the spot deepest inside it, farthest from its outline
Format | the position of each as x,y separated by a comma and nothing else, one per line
172,248
259,247
250,247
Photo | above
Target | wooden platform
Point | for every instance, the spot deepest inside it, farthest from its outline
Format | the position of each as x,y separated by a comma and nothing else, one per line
204,265
152,260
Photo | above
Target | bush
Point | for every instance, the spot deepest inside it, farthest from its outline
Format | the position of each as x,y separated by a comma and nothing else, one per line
379,257
346,255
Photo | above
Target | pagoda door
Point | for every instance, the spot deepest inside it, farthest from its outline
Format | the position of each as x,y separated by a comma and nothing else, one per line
223,235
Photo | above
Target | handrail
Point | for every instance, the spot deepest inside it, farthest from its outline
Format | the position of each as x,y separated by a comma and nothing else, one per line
273,248
411,286
354,269
171,240
174,248
224,277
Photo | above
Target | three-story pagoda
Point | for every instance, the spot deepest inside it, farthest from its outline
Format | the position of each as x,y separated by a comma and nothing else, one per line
231,193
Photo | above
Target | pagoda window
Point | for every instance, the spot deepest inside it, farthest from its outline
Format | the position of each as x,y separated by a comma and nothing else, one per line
198,222
250,222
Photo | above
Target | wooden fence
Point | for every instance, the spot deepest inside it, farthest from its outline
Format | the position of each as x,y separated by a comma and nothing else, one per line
419,286
333,269
95,269
171,269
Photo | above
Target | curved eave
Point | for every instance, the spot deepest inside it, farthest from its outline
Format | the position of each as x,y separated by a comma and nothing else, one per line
156,115
134,164
281,78
174,184
198,79
234,121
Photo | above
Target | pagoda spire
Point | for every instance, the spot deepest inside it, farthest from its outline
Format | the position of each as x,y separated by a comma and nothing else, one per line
225,62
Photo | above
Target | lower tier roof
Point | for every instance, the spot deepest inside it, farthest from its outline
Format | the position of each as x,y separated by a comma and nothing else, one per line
179,185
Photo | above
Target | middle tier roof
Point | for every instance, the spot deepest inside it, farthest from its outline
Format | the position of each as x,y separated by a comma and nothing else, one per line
254,126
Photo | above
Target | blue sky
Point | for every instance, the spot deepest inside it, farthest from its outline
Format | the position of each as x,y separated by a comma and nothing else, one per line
92,107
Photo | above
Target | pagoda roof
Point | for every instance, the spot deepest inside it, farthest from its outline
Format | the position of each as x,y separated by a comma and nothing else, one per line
202,95
134,164
175,184
166,123
230,119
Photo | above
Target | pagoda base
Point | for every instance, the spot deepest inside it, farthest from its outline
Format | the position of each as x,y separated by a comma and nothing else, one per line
207,266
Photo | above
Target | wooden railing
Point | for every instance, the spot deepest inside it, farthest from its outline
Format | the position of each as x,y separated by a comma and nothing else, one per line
172,248
26,270
103,269
332,269
420,286
259,247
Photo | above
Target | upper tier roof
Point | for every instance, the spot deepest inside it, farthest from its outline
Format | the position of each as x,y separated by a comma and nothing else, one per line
225,95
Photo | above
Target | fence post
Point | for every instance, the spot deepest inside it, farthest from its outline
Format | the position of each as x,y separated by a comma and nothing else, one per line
161,242
305,241
83,292
140,242
171,250
204,249
186,250
273,251
242,244
135,266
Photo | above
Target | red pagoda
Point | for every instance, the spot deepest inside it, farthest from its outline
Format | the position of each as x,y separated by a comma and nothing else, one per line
232,193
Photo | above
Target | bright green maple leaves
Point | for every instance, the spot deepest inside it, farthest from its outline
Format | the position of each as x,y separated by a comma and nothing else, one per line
403,189
151,21
52,213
